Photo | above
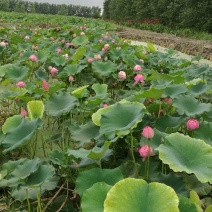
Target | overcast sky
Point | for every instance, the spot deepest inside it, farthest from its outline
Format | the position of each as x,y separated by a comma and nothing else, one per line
89,3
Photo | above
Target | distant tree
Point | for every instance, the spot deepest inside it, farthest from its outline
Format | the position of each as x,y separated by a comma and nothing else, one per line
4,5
63,9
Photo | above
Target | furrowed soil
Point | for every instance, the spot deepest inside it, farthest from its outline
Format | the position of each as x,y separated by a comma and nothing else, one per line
186,45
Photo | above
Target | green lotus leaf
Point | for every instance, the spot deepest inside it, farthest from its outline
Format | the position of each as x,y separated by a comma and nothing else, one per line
15,92
209,208
183,153
86,179
35,109
121,119
16,73
79,153
20,135
58,61
104,69
56,87
41,75
100,90
166,122
80,40
157,76
5,68
94,197
11,123
196,200
151,93
42,55
20,193
160,83
204,132
86,133
193,82
199,89
41,175
175,181
97,153
150,47
73,69
197,71
25,169
10,166
174,90
190,106
186,205
80,52
138,196
115,54
60,104
96,117
193,183
80,92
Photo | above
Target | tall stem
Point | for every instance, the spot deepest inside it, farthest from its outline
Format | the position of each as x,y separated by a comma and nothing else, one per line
132,153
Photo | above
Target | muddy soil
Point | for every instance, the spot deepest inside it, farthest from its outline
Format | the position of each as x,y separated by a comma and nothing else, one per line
186,45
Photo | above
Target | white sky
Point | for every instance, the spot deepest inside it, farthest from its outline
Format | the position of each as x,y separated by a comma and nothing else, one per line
88,3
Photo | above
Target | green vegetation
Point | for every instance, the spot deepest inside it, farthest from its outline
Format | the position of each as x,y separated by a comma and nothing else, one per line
176,14
46,8
92,123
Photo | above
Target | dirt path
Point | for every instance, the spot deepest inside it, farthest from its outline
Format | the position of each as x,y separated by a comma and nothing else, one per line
185,45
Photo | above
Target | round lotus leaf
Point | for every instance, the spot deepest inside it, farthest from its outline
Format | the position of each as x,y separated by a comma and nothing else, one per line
60,104
138,196
121,119
11,123
183,153
94,197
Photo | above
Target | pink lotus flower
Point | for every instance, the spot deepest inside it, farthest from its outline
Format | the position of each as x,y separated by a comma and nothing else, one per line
192,124
26,37
45,85
97,57
71,78
100,40
54,71
106,46
144,151
148,132
105,105
59,50
33,57
3,44
20,84
23,112
63,40
122,75
138,78
68,44
137,68
90,60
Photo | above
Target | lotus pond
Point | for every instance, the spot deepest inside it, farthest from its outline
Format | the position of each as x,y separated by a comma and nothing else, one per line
92,123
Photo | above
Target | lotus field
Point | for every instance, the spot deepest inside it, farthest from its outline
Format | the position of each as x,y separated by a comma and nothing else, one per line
91,123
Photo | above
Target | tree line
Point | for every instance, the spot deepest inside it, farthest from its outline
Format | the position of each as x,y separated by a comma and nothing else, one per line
46,8
192,14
